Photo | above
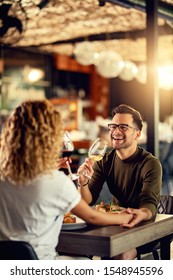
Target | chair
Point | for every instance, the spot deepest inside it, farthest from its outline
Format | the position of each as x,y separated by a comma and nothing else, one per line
16,250
105,195
165,207
166,158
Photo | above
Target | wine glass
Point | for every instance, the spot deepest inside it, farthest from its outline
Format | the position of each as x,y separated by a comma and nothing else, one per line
68,146
67,150
98,149
96,152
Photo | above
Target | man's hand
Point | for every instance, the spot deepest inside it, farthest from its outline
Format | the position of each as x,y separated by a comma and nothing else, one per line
139,215
85,171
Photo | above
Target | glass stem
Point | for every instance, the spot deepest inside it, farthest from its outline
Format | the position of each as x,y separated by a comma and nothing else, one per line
69,168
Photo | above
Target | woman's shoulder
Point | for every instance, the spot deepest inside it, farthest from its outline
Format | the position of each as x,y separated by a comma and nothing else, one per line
54,177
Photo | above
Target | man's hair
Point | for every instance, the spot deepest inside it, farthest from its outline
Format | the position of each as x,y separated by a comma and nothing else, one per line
125,109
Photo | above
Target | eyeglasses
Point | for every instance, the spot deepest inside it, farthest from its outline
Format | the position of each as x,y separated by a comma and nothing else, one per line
122,127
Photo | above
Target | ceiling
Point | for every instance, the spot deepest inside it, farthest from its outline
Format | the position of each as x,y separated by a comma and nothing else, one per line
55,26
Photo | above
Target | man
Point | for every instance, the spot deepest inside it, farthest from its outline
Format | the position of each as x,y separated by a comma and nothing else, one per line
133,175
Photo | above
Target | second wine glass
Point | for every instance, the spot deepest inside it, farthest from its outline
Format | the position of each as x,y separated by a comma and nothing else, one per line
67,150
98,149
68,146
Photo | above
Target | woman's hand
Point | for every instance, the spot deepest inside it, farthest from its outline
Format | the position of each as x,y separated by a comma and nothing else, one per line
61,162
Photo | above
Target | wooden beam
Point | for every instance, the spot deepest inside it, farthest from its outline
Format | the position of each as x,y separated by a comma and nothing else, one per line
152,83
133,34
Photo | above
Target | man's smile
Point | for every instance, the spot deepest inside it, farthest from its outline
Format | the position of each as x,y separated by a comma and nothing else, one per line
117,138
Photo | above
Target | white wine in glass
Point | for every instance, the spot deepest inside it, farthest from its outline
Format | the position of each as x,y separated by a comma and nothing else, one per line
96,152
98,149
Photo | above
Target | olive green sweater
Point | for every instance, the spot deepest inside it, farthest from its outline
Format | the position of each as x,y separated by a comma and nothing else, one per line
135,182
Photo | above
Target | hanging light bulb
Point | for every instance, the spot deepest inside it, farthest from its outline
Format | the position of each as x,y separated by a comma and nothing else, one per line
109,64
85,53
129,71
32,75
165,76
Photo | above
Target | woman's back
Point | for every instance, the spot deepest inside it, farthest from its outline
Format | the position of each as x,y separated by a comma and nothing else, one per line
35,212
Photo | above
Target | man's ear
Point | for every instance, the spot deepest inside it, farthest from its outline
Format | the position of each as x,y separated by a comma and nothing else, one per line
138,134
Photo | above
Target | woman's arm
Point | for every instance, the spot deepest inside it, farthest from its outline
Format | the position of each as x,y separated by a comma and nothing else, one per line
90,215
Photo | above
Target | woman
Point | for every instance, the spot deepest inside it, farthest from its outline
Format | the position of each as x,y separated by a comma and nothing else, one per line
34,195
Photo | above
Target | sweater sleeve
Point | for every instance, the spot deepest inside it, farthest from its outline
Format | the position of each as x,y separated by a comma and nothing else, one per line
151,174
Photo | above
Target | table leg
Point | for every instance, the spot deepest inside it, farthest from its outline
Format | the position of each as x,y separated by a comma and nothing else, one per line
165,244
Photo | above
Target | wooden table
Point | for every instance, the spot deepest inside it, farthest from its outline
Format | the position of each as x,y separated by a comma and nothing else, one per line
113,240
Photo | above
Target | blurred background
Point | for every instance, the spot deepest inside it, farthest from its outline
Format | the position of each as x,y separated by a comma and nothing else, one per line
88,57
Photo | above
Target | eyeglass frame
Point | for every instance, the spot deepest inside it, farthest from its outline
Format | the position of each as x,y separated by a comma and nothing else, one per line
121,124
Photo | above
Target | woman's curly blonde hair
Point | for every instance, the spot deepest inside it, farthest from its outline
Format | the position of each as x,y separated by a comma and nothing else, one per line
31,141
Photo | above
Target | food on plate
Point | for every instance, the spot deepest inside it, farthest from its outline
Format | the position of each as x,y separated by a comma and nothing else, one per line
111,208
69,218
102,207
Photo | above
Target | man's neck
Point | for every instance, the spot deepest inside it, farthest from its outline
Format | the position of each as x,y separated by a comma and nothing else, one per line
126,153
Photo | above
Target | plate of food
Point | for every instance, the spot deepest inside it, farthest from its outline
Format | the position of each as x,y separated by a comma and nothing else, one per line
72,222
109,208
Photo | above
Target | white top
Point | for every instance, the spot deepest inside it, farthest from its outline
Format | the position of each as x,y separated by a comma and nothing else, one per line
34,213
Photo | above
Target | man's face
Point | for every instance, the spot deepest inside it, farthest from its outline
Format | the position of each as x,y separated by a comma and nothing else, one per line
123,137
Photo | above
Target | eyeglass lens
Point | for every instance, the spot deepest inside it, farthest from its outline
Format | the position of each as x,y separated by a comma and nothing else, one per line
121,127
